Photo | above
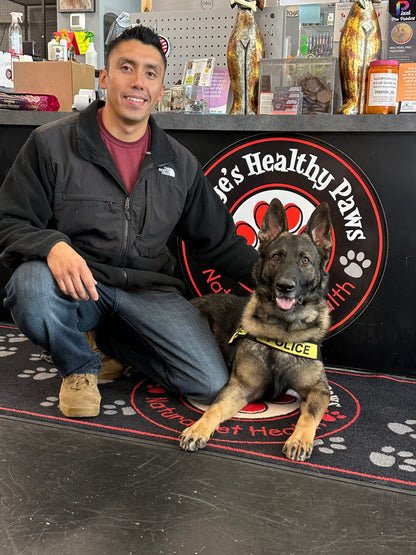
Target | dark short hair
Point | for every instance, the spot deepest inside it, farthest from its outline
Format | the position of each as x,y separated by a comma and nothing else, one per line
146,35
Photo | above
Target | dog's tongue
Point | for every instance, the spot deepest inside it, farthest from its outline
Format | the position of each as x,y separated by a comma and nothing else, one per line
285,304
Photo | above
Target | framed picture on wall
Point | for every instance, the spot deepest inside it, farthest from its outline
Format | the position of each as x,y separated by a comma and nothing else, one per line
76,5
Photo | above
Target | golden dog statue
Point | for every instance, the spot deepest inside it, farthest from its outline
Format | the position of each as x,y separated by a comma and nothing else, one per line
360,43
245,50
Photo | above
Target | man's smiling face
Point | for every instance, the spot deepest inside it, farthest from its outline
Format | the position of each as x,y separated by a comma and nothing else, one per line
134,83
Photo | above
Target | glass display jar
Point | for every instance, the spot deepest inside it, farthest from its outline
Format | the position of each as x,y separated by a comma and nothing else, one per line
381,93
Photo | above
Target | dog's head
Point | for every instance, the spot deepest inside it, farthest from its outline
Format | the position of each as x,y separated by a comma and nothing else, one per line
291,268
248,4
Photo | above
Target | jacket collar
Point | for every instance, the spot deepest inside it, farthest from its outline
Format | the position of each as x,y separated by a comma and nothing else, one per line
93,147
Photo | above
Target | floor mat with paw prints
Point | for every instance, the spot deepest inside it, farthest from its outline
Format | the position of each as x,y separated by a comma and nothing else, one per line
368,433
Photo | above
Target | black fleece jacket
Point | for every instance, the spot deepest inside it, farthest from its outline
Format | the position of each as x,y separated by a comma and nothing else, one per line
64,186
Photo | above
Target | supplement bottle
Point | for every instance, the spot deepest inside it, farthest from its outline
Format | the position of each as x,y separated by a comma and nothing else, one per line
382,87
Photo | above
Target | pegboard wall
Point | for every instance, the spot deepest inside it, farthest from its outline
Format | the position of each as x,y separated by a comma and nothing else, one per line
5,20
6,7
33,25
194,35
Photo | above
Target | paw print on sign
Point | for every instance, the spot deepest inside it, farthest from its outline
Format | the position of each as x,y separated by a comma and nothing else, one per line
355,264
294,216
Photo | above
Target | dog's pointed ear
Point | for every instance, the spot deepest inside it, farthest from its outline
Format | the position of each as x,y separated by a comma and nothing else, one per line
319,228
274,221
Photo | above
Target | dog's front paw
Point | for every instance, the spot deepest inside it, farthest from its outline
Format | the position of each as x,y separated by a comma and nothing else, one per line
297,449
193,439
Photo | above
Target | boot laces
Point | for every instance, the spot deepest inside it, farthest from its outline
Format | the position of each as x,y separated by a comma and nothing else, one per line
80,381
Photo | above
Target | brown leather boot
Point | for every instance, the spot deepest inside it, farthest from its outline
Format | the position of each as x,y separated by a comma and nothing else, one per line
79,396
111,368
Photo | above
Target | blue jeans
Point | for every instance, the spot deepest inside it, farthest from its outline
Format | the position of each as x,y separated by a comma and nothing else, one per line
158,333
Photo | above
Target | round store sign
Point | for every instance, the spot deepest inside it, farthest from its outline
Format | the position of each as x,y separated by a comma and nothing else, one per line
302,172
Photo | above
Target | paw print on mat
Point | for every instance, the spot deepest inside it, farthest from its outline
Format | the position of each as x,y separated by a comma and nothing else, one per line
335,444
387,457
354,263
39,374
16,338
7,352
116,406
402,429
50,402
6,343
333,416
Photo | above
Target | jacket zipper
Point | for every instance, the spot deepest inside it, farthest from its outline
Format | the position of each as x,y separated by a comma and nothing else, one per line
127,208
126,230
144,209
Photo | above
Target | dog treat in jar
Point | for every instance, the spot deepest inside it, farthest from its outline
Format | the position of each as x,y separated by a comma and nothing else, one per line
382,87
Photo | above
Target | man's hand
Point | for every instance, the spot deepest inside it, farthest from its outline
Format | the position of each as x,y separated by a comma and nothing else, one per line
71,272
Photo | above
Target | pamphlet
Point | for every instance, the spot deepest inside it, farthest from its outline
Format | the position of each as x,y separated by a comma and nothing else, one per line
406,87
402,29
199,72
210,99
218,91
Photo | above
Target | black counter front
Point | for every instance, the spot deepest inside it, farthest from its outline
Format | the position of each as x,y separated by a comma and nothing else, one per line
381,338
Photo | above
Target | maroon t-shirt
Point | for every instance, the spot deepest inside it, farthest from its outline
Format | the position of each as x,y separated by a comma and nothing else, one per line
128,157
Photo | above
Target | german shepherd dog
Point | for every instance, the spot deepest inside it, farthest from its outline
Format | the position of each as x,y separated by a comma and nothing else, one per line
279,328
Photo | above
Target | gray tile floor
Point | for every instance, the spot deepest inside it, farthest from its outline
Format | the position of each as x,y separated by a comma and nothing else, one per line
70,492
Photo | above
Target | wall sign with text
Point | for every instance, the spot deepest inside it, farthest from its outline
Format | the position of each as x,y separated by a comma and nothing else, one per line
302,172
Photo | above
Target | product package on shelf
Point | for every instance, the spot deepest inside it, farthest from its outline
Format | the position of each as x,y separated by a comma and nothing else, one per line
299,85
40,102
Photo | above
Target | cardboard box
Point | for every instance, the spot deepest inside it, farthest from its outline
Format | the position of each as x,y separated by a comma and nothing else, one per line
62,79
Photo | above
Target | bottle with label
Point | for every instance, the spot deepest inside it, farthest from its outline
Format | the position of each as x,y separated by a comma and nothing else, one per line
52,44
64,50
15,34
91,54
382,87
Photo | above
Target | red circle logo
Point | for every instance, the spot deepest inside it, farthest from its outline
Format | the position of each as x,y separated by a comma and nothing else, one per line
263,422
302,172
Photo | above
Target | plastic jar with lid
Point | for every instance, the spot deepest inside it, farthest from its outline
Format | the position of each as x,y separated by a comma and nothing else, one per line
382,80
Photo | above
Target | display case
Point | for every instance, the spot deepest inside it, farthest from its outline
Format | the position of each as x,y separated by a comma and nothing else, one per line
299,86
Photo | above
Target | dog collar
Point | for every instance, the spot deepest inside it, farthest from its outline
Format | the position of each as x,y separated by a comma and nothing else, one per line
307,350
